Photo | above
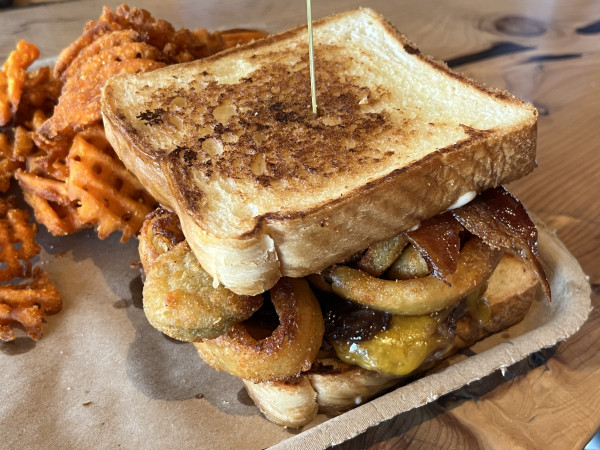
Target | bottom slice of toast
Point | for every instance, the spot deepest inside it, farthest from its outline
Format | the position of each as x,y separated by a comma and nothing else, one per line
332,386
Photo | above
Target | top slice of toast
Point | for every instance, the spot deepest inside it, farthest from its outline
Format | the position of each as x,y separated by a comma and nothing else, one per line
264,188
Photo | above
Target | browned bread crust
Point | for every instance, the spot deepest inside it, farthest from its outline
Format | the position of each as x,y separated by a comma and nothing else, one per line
265,189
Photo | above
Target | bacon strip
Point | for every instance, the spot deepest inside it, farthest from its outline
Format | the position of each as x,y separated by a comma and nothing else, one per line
438,241
501,221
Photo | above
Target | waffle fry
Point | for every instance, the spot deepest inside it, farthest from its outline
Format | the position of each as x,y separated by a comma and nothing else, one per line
27,304
7,164
50,203
12,80
17,236
107,193
128,40
29,301
19,92
97,189
40,94
15,146
5,108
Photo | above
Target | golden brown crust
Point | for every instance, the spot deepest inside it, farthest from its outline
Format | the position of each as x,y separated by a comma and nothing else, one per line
180,301
289,350
265,189
160,232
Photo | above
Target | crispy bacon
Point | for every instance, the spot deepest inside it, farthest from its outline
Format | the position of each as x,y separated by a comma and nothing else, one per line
438,241
501,221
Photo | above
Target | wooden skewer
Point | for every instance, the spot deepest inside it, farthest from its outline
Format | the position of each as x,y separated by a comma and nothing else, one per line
311,58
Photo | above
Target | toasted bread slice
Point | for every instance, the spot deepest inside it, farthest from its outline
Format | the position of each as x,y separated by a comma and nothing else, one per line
338,386
266,189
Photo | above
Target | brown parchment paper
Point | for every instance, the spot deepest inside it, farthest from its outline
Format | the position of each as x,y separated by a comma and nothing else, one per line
102,377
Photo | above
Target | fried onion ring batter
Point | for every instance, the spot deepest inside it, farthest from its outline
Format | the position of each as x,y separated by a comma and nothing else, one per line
422,295
289,350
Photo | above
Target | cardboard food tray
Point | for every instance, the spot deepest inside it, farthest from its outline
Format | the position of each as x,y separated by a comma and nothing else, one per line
102,377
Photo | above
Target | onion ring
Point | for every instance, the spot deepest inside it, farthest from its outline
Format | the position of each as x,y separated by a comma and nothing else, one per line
160,232
181,302
422,295
289,350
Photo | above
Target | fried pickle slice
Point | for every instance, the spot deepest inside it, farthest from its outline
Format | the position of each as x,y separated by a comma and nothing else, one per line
181,302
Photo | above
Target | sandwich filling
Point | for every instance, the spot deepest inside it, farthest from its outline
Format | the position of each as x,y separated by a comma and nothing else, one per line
392,308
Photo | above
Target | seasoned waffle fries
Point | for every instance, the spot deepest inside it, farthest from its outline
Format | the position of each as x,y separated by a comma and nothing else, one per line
25,302
17,237
97,191
106,192
52,141
12,79
8,164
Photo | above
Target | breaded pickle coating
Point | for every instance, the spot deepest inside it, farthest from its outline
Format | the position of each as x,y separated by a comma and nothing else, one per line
181,301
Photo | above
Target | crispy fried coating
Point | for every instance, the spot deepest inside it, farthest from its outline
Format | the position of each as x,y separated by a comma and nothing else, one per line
40,95
127,40
79,103
179,297
23,99
12,78
50,203
180,300
107,194
85,186
176,45
8,165
289,350
27,304
18,244
179,45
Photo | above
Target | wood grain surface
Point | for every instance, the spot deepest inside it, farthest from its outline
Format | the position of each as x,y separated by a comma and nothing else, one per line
545,52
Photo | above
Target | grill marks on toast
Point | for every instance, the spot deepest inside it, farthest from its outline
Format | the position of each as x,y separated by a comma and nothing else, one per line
241,139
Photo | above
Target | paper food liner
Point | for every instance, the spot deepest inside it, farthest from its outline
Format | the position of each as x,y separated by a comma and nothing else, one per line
102,377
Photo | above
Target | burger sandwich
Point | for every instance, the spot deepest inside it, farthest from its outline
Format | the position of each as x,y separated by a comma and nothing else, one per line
323,258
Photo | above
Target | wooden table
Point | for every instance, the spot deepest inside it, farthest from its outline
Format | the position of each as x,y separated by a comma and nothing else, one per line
545,52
